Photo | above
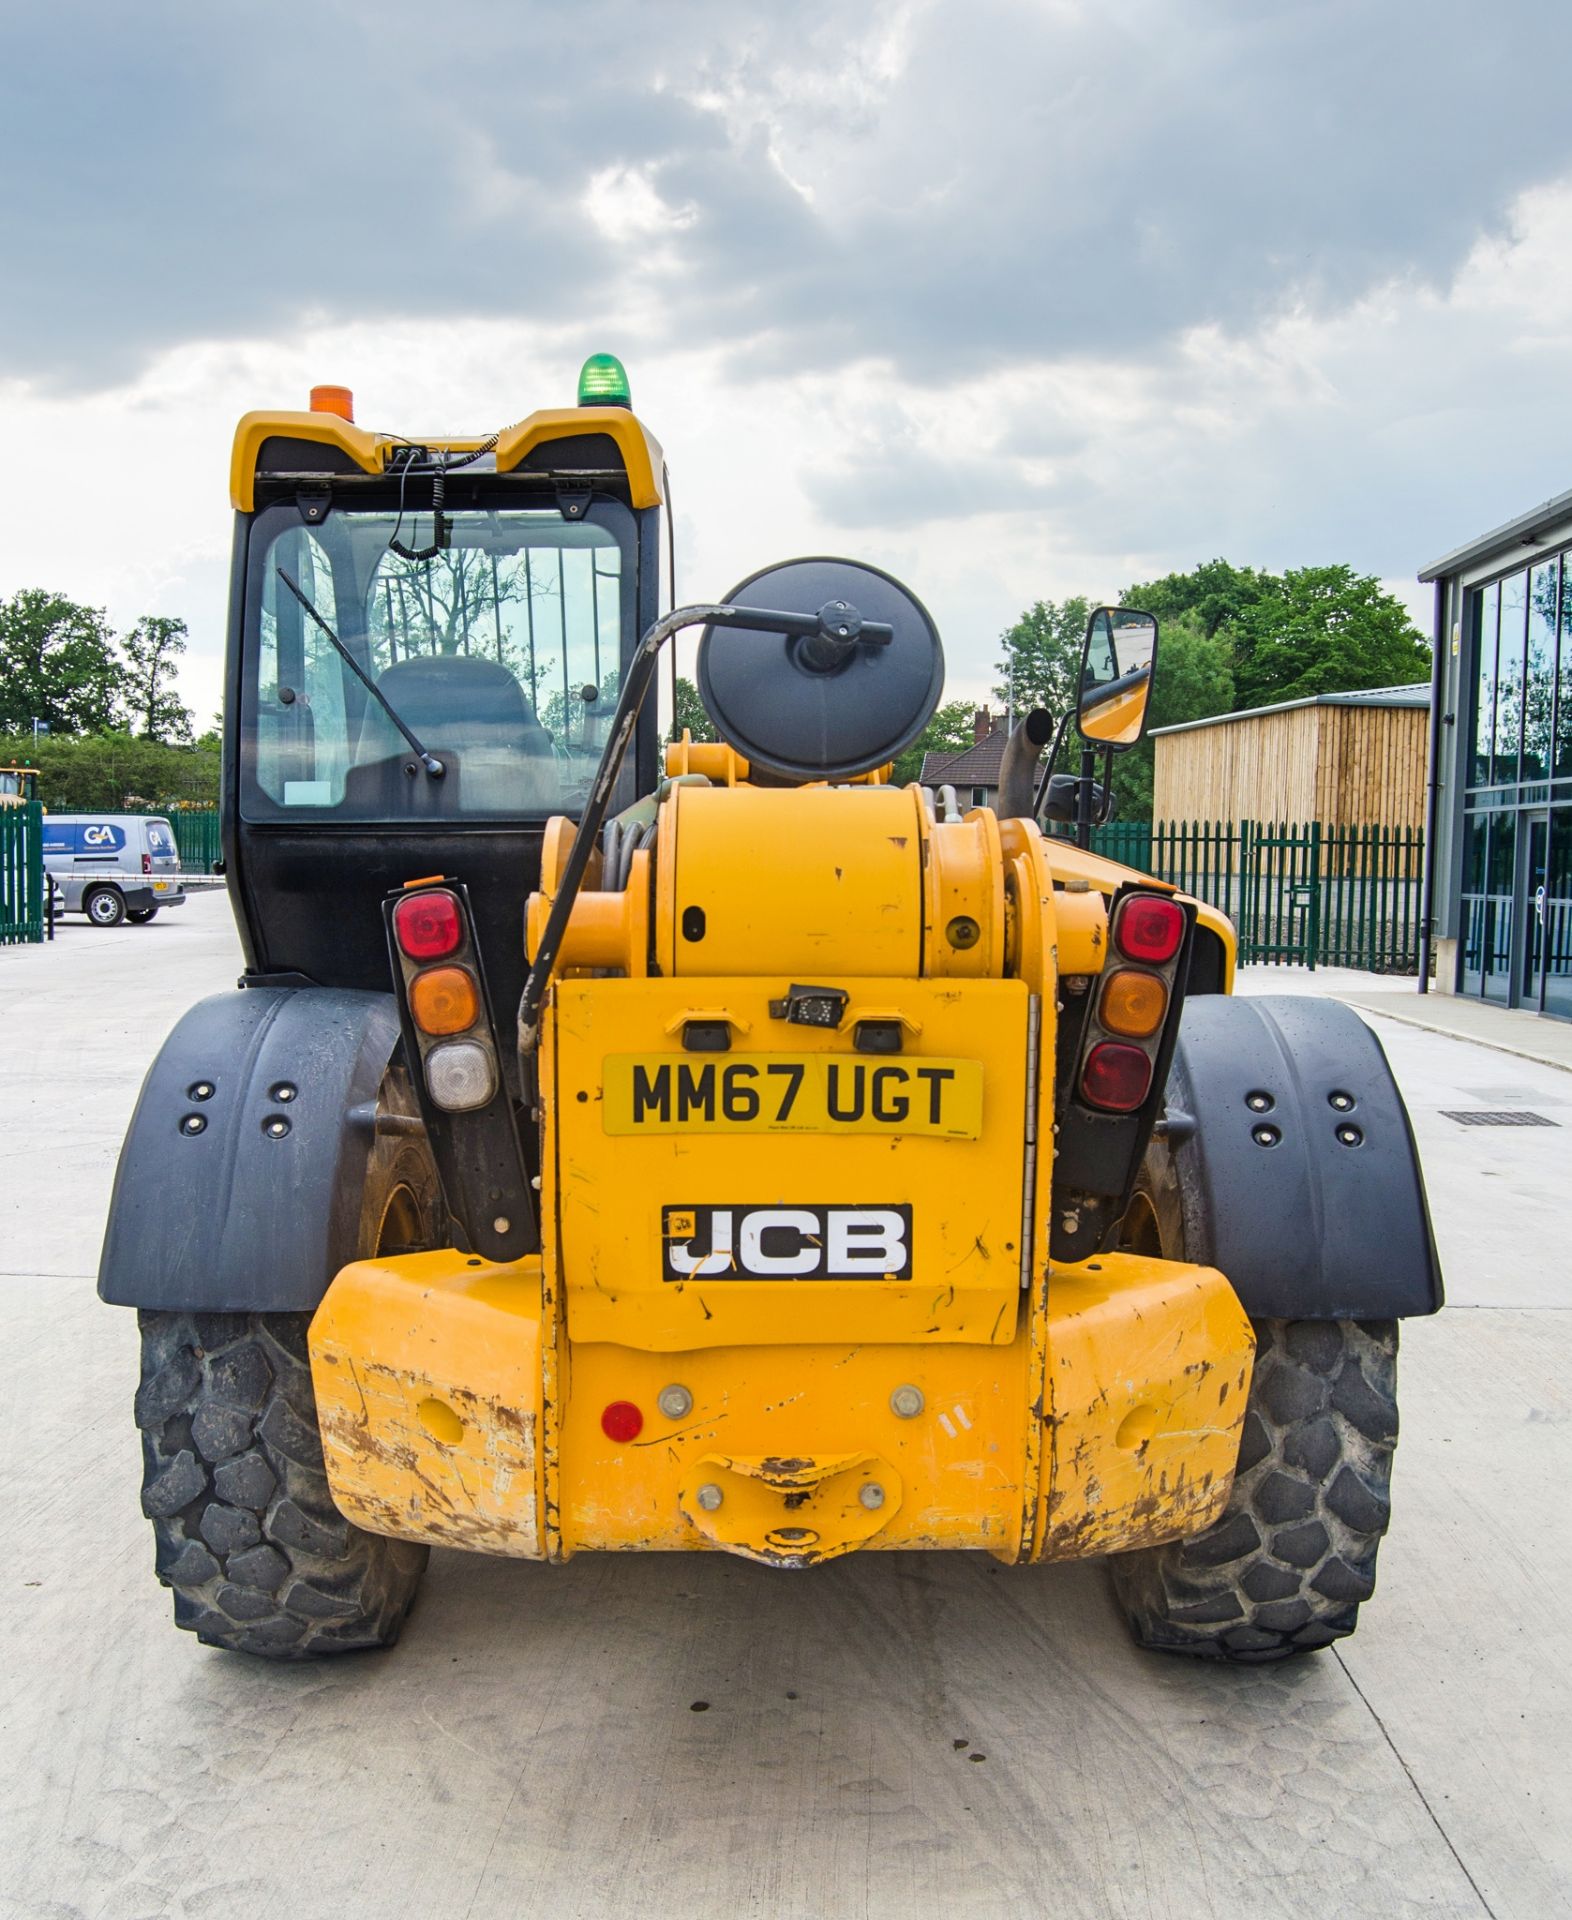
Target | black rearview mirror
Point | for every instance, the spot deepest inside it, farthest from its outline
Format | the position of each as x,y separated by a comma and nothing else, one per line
1117,664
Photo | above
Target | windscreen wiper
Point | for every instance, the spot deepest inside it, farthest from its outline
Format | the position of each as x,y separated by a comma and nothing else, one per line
429,761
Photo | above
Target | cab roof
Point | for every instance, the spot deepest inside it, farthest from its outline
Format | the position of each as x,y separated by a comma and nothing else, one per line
273,445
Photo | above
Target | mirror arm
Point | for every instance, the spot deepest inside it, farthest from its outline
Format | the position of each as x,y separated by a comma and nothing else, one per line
1105,809
1085,781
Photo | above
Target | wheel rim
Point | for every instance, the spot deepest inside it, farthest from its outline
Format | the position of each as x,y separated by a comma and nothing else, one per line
101,908
402,1228
1140,1232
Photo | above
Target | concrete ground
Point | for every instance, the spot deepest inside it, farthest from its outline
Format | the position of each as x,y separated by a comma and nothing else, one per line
691,1737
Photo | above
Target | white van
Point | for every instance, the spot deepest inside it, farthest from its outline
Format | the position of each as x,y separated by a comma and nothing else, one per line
113,866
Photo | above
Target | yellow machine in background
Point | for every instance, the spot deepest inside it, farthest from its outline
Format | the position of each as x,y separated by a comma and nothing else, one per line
750,1156
18,785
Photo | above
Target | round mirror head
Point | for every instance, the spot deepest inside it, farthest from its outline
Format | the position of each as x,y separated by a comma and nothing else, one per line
1116,676
805,713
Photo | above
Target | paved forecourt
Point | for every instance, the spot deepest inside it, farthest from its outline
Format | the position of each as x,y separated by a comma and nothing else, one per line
697,1736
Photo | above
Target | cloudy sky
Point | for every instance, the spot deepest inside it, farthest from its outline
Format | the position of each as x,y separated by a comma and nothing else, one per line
1017,298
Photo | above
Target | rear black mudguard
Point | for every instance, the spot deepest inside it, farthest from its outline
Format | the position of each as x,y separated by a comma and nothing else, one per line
218,1206
1313,1208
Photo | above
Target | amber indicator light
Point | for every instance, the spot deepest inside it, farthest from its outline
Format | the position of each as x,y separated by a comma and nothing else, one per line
444,1000
1133,1004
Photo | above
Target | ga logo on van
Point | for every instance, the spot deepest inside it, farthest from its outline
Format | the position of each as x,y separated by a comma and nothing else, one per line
99,835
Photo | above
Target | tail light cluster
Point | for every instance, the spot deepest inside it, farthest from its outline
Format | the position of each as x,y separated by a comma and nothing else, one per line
1125,1025
447,1009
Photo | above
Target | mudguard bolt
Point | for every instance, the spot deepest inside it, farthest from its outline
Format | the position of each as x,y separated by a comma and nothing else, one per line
710,1496
872,1495
675,1402
906,1402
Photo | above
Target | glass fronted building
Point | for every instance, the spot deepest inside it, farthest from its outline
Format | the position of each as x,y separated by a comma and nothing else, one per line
1500,876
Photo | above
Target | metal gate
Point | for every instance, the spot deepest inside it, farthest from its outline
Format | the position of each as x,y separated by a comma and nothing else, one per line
1300,895
21,874
1280,907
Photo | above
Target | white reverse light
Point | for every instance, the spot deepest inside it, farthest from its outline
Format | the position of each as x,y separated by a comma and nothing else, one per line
460,1076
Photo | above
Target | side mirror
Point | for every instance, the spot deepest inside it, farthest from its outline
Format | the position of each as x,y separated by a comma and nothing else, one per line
1117,664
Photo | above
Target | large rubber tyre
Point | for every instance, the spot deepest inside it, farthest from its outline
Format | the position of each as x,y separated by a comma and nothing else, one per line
1283,1571
139,916
105,906
247,1535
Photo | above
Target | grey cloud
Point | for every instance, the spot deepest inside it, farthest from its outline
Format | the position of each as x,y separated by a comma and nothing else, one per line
1031,181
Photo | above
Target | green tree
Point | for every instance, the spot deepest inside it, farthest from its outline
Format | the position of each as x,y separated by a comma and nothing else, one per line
151,649
949,731
117,770
1041,661
57,665
690,713
1213,595
1327,630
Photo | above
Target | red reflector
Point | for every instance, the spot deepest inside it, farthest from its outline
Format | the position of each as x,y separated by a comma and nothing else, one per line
429,926
1115,1077
622,1421
1149,929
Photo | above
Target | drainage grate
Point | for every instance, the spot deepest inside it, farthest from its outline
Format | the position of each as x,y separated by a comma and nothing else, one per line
1482,1117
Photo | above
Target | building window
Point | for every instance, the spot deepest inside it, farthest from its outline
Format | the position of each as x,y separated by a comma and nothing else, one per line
1476,833
1509,679
1539,686
979,796
1563,750
1486,607
1554,914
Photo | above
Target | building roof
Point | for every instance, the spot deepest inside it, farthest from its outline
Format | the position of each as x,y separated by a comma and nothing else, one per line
974,766
1415,695
1527,530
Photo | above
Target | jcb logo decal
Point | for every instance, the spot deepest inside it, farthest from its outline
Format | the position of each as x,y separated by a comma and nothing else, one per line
786,1243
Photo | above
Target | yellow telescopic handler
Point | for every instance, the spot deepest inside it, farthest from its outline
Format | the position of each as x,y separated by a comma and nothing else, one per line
713,1147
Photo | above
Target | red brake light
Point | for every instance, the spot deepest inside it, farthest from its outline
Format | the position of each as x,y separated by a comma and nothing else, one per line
1149,929
622,1421
147,863
429,926
1115,1077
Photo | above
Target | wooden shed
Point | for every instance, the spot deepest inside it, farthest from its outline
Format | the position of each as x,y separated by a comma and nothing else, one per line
1345,759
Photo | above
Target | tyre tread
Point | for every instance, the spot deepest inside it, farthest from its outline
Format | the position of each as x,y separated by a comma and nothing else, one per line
273,1569
1294,1551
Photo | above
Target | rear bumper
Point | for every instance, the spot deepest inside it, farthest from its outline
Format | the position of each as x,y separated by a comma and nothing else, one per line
1111,1422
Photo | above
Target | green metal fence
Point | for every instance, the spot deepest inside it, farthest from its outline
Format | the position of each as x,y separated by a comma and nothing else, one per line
21,874
1300,895
196,834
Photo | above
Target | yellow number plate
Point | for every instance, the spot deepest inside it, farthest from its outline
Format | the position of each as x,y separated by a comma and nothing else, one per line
791,1093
